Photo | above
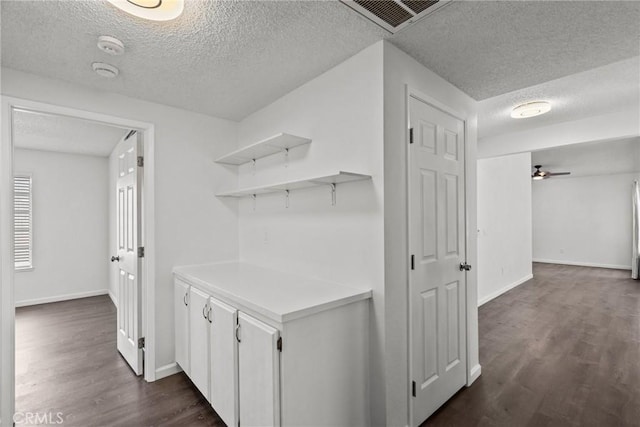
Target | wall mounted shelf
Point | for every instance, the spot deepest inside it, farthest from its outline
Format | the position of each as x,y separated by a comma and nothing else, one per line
272,145
284,187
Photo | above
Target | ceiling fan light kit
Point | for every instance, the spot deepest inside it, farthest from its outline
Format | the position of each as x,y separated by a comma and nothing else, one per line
539,175
153,10
530,109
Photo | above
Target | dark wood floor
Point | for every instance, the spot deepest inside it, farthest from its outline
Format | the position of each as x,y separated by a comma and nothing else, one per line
560,350
66,361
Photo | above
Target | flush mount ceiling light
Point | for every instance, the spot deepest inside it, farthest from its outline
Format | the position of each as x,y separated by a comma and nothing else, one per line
105,70
110,45
530,109
154,10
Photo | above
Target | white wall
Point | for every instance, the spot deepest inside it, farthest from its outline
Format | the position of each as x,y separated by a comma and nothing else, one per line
504,224
583,220
341,111
191,225
70,221
400,71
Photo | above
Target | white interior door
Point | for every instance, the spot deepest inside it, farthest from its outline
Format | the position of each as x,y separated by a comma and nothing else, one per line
259,373
128,226
224,355
437,246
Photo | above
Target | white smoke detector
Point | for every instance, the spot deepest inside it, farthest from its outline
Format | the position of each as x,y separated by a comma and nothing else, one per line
105,70
110,45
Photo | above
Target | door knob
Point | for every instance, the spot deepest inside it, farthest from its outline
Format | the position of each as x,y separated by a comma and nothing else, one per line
464,266
115,258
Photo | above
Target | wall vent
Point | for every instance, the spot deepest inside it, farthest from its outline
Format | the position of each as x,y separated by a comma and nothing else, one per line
395,15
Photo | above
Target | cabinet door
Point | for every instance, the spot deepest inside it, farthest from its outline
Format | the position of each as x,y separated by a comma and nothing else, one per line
199,340
259,373
223,353
181,322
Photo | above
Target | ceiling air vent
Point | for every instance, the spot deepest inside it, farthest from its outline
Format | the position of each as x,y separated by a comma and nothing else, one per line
395,15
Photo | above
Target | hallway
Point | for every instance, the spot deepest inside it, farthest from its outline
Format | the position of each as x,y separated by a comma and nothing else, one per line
561,349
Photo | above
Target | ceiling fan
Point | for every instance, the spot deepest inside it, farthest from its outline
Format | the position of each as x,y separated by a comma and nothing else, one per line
538,174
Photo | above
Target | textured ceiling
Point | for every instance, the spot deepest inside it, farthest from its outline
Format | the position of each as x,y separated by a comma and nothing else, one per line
597,158
226,58
487,48
230,58
602,90
47,132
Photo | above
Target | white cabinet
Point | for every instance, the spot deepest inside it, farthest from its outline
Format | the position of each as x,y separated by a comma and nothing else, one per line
181,321
223,353
271,349
259,372
199,340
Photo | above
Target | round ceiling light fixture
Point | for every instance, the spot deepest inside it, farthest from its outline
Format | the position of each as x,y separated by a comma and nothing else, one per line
154,10
110,45
530,109
105,70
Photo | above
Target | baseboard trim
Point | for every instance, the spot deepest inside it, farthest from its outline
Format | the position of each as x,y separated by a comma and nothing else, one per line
167,370
503,290
58,298
474,374
113,298
583,264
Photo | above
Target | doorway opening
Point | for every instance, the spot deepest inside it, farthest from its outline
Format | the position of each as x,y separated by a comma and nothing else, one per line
73,160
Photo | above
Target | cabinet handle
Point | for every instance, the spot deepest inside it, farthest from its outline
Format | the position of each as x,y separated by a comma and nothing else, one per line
203,311
184,299
237,329
209,315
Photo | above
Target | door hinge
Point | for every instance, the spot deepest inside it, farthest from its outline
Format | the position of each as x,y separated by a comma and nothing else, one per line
410,135
140,161
141,252
141,342
279,344
413,262
413,388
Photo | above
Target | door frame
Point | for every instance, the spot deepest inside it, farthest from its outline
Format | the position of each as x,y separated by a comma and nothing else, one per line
8,105
429,100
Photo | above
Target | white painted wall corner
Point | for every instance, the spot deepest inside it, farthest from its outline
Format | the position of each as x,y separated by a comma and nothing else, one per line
167,370
503,290
474,374
114,300
58,298
583,264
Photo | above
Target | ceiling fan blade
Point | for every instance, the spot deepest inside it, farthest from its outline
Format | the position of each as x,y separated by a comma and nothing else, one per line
558,173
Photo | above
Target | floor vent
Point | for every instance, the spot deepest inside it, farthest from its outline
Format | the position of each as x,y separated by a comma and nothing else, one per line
395,15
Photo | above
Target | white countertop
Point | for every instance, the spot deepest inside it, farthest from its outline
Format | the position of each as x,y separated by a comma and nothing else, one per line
277,295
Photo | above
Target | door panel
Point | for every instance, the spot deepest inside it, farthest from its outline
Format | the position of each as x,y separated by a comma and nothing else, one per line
430,331
129,265
181,317
224,354
199,340
436,239
259,373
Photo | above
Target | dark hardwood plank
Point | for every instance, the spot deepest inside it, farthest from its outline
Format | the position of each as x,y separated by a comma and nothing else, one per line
66,361
562,349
